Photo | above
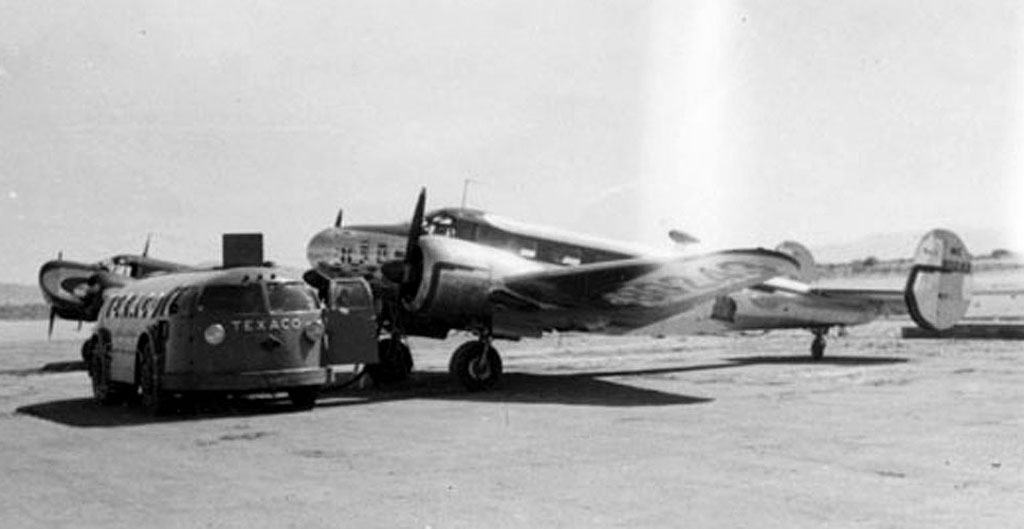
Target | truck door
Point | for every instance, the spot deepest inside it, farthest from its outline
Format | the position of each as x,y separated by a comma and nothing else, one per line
351,322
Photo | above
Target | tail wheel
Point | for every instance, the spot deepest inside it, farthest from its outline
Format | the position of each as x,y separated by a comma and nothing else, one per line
473,369
304,398
395,362
154,398
104,391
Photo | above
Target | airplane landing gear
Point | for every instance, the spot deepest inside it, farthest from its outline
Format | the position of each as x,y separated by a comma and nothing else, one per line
818,345
476,364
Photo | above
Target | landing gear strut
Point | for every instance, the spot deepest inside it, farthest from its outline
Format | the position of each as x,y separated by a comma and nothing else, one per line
818,345
476,364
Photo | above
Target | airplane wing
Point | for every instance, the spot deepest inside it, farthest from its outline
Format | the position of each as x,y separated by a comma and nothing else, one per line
623,295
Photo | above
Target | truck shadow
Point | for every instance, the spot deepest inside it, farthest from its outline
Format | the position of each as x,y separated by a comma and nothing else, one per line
588,388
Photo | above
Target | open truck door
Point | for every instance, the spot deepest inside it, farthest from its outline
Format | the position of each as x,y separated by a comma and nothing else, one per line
350,321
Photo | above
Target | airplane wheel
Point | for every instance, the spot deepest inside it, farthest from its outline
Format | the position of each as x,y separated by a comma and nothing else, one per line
104,391
465,365
304,398
818,348
395,362
154,398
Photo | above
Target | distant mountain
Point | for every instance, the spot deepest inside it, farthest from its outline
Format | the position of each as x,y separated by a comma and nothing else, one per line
901,245
15,294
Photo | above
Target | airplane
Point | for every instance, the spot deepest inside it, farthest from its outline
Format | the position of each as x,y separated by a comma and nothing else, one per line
73,289
467,291
460,269
936,295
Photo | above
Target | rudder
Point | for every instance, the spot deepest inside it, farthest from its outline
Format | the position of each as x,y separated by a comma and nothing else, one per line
938,290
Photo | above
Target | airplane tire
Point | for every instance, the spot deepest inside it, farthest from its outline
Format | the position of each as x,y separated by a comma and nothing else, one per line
304,398
104,391
818,348
155,400
395,362
464,366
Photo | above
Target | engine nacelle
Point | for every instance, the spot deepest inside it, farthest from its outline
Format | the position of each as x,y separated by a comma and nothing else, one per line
456,277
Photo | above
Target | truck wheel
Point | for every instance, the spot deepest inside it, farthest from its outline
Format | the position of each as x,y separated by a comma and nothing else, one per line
466,367
304,398
104,391
154,398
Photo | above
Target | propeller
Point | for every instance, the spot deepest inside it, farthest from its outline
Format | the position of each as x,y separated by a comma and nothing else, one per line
407,273
337,220
413,255
53,316
145,249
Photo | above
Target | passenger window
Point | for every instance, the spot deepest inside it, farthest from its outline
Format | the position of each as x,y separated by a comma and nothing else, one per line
231,298
290,297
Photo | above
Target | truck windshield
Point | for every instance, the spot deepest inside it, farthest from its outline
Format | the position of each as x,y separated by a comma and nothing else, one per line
289,297
231,298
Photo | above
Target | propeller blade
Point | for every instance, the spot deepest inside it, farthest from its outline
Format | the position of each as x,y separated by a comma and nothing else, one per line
53,316
337,220
145,249
411,273
416,227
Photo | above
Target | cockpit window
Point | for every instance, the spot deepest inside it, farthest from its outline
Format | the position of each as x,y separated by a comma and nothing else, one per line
441,225
288,297
231,298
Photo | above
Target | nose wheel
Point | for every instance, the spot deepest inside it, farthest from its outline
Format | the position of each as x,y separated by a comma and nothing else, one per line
476,365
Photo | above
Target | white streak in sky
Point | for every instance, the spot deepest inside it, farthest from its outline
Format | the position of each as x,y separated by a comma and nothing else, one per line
683,143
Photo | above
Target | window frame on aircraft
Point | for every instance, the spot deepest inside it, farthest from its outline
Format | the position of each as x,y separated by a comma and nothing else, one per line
526,248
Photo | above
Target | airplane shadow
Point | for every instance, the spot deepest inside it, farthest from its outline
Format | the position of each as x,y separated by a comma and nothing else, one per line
571,389
827,360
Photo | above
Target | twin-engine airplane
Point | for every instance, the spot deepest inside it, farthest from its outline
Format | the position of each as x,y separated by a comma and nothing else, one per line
469,270
74,289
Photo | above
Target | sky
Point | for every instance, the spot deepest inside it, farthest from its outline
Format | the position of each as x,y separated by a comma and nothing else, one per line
741,122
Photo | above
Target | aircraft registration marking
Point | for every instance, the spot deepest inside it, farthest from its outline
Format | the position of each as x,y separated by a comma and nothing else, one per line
668,289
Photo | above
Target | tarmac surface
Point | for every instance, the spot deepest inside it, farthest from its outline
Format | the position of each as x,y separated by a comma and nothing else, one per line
583,431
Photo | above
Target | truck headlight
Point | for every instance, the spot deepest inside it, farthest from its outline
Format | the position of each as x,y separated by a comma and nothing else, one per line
214,334
314,331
